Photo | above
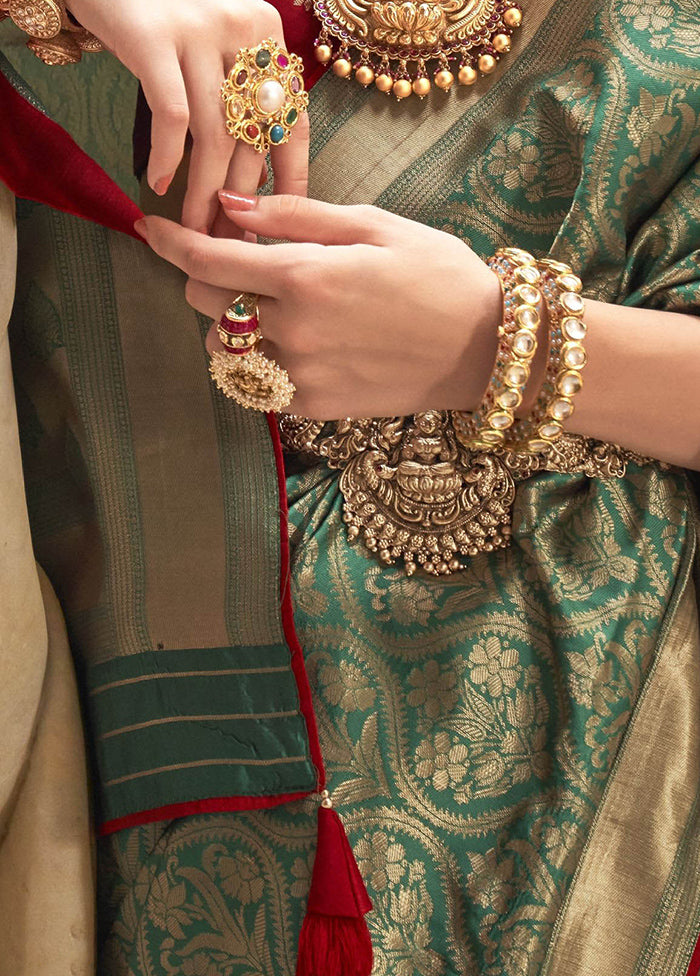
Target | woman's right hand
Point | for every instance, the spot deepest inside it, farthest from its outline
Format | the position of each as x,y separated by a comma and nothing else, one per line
181,51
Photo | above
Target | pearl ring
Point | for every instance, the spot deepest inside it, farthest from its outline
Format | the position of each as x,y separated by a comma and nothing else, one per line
264,95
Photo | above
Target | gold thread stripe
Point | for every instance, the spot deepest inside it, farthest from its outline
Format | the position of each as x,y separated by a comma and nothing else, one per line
206,762
186,674
197,718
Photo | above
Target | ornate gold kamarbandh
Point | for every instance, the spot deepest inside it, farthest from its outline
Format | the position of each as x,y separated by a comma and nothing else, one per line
412,492
399,44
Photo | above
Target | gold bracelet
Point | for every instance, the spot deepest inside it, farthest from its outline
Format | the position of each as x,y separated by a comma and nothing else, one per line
485,429
566,358
54,36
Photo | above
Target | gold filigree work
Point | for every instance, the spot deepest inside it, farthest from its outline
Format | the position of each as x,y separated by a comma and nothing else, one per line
412,492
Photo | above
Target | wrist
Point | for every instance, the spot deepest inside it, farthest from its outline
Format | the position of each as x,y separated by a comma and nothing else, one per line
483,341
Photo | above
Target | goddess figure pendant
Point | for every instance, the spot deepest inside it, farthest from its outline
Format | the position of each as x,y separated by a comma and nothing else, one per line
401,43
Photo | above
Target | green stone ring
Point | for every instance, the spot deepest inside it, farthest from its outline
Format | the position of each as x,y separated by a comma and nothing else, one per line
264,95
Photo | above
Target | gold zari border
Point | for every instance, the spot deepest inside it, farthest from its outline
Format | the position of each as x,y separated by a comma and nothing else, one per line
617,897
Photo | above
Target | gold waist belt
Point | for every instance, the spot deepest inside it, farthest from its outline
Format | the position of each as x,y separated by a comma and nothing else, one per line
412,492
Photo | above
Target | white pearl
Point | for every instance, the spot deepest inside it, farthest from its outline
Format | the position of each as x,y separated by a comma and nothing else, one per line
270,97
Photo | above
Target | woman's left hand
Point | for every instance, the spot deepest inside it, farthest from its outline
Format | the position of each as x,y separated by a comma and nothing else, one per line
371,314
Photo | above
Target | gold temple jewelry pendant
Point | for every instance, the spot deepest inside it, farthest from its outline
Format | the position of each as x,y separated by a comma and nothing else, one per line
400,44
413,495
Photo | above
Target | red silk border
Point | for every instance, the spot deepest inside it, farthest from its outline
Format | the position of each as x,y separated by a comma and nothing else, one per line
298,666
193,808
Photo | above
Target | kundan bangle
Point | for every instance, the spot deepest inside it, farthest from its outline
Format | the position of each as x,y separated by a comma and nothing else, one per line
485,429
566,358
54,36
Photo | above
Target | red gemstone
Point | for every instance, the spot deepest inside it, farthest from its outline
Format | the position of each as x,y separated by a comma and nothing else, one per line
252,131
241,77
282,60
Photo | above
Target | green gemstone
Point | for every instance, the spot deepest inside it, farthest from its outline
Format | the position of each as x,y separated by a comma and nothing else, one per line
262,58
292,116
239,309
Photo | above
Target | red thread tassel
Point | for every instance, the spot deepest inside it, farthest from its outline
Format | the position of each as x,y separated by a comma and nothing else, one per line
334,938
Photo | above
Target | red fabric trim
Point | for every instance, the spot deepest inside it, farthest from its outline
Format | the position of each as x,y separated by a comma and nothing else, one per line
298,666
39,161
193,808
694,967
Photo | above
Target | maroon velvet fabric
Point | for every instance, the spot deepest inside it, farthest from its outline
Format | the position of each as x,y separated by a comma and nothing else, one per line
39,161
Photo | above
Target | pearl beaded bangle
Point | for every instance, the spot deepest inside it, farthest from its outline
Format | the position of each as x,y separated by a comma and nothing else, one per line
485,429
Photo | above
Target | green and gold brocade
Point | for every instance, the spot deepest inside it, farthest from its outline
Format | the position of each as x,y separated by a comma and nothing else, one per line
514,750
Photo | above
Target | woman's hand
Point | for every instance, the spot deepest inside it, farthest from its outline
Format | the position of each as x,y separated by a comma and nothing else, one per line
181,53
371,314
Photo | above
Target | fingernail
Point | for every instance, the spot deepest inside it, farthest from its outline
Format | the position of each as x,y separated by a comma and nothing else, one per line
161,187
141,227
235,201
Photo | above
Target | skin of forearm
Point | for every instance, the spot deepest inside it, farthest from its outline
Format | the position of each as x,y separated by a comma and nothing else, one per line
641,385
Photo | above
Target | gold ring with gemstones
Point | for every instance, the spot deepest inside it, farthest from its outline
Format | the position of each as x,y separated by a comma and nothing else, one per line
241,372
264,95
246,341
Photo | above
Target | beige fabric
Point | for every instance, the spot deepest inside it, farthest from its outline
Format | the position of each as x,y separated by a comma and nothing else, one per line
640,825
46,877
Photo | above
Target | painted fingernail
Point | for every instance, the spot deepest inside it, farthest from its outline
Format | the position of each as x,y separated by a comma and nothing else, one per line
141,228
161,187
236,201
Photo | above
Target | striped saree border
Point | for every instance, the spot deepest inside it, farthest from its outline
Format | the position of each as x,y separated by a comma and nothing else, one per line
96,369
677,921
634,900
248,494
213,725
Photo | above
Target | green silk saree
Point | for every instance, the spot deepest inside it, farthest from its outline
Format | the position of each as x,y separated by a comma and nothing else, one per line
514,750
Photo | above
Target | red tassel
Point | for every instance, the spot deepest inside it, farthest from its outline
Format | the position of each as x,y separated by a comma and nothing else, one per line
334,937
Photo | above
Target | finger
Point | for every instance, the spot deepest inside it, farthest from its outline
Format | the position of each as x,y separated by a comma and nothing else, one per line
164,89
243,178
207,299
212,145
233,265
290,162
295,218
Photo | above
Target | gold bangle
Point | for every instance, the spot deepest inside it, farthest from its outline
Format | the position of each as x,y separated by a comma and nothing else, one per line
485,429
566,358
